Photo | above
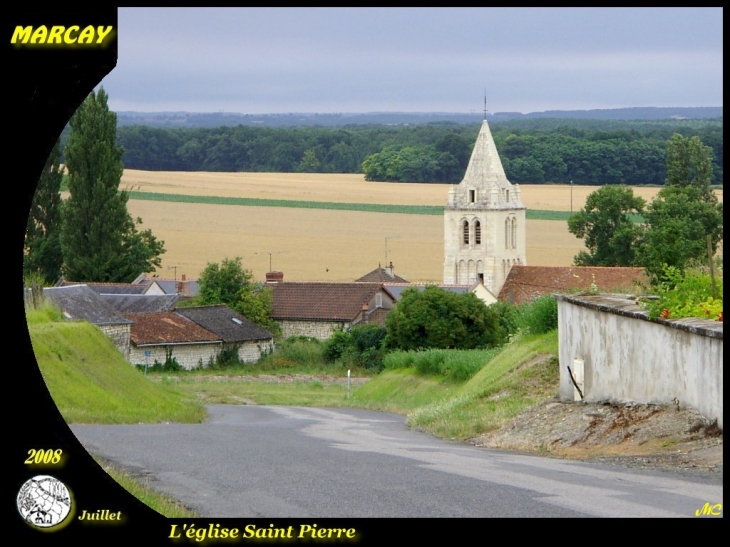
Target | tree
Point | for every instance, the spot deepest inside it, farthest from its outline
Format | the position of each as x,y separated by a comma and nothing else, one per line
436,318
99,238
610,235
43,255
230,284
684,212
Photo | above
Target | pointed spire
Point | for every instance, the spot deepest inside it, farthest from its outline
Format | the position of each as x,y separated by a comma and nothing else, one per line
485,167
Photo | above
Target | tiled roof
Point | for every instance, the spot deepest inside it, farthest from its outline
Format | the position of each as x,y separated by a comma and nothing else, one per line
226,323
107,288
140,303
167,327
321,301
525,283
381,275
80,302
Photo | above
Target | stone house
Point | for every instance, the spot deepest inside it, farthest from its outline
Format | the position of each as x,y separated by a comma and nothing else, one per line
318,309
155,335
81,303
233,329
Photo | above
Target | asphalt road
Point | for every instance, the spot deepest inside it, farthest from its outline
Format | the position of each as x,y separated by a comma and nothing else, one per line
291,462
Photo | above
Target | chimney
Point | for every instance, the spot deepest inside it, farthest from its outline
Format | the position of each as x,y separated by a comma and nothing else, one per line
179,287
183,277
274,277
389,270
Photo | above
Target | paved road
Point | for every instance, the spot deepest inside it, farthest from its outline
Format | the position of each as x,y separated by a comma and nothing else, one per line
279,462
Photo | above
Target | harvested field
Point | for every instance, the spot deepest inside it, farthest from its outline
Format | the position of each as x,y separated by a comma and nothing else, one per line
319,245
342,188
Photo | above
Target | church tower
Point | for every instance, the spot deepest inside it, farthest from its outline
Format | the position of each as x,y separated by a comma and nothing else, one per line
484,221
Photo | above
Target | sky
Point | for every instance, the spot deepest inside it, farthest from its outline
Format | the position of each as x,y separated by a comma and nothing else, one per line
356,60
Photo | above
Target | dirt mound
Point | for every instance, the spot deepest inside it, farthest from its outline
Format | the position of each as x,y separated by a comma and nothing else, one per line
637,435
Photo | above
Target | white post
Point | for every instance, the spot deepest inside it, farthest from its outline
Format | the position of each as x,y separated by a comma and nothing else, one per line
348,383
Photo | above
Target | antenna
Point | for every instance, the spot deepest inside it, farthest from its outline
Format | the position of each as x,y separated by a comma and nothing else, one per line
485,104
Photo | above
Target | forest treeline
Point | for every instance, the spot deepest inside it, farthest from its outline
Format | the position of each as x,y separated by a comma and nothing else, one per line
592,152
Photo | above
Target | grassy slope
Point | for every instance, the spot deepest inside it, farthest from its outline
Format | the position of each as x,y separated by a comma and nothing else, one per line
522,374
91,382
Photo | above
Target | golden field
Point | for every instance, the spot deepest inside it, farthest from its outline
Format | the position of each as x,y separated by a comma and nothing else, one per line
342,188
325,245
319,245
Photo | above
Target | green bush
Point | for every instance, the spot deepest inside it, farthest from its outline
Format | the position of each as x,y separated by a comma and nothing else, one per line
687,294
361,346
335,346
295,351
539,316
399,359
439,319
458,365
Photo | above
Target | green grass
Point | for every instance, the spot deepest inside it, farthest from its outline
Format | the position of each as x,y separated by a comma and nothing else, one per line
91,382
522,374
260,202
531,214
139,487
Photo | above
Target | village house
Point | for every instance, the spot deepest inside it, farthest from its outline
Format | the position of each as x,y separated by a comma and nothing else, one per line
318,309
155,336
233,329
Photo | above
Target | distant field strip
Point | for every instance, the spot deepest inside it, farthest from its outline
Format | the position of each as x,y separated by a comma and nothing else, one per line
434,210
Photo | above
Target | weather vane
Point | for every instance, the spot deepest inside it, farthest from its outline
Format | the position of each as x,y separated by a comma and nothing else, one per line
485,104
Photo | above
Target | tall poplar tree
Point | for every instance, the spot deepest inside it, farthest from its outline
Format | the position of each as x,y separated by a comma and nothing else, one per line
43,232
99,239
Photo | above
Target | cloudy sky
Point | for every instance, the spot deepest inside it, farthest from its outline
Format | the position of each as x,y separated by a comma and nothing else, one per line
276,60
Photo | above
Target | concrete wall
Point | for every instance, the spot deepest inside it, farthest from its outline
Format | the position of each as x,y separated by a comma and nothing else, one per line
627,357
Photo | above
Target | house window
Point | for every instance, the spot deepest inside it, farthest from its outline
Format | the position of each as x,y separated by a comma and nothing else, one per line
472,196
477,232
379,300
465,228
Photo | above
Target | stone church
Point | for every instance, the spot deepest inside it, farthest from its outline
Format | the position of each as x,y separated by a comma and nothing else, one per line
484,221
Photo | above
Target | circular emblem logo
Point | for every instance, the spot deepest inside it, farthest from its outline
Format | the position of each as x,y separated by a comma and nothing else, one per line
44,501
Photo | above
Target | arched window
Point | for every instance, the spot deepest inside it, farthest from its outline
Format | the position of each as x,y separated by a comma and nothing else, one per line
465,228
506,233
477,232
514,233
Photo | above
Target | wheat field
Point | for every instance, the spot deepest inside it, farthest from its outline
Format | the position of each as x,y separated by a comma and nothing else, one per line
325,245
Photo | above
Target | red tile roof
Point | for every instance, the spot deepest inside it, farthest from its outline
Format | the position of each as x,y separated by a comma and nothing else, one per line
167,327
525,283
312,301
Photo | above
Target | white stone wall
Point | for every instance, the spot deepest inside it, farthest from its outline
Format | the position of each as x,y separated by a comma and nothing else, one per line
627,358
321,330
250,352
188,355
119,335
